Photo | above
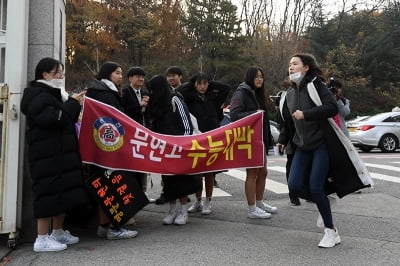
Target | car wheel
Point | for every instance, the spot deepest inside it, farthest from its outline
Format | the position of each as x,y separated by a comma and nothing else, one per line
388,143
365,148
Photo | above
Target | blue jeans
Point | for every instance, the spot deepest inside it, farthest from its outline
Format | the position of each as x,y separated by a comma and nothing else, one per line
307,177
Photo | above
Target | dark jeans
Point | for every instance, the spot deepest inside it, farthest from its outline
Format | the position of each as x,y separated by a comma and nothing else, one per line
307,179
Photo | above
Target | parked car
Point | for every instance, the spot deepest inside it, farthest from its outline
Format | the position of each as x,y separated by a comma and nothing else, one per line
377,131
352,123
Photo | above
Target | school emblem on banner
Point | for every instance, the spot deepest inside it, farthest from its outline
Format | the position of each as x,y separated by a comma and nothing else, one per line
108,134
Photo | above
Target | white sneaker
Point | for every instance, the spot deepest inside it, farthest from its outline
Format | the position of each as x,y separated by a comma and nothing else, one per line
206,208
320,221
267,208
48,244
122,233
196,206
102,231
169,219
181,219
330,239
151,200
65,238
259,214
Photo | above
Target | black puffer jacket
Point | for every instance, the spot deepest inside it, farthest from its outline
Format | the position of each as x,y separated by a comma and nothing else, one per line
100,91
54,159
200,106
244,103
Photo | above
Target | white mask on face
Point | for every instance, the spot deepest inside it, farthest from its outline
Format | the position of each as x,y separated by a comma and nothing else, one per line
296,77
57,83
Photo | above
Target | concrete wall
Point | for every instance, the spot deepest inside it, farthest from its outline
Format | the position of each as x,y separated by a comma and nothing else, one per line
46,32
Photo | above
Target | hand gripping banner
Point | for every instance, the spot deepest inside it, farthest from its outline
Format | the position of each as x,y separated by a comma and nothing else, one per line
110,139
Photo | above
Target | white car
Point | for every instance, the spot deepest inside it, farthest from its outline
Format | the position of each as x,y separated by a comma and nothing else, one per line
377,131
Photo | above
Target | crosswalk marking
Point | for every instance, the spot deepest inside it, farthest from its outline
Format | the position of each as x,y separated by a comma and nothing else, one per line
282,188
217,192
270,185
385,177
382,166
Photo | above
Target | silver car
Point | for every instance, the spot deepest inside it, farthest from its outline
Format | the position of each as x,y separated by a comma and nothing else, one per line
377,131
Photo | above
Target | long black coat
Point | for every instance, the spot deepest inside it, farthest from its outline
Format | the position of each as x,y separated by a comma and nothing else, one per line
54,159
100,91
207,109
344,178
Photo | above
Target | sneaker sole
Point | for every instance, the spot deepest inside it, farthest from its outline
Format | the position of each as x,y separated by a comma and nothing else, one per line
180,223
258,217
118,238
48,250
69,243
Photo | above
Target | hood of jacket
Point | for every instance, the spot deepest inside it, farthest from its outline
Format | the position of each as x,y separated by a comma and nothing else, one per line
245,86
98,85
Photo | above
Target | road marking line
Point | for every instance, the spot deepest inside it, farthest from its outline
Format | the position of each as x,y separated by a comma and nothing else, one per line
386,167
217,192
385,177
270,185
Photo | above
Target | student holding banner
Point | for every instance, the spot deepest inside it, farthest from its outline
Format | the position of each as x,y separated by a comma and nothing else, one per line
248,99
204,99
169,115
105,88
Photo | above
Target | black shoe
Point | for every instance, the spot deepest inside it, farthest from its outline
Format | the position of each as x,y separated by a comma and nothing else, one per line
294,201
161,199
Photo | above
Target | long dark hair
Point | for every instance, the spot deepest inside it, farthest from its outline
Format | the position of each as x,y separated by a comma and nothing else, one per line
46,64
159,96
314,69
249,77
106,70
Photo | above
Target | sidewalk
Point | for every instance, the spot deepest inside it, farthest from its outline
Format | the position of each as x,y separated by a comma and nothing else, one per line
368,225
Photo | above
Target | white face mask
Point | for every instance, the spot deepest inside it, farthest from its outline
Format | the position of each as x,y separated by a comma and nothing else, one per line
296,77
57,83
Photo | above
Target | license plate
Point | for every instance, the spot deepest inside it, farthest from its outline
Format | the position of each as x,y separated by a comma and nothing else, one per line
351,129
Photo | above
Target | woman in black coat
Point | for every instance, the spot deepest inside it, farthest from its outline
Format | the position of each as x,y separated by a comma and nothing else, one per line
248,99
204,99
304,123
105,88
54,159
170,116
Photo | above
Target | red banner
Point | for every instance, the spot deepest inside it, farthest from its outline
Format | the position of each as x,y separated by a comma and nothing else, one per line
110,139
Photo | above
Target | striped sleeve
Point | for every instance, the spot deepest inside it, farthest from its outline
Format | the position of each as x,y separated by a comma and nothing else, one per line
183,114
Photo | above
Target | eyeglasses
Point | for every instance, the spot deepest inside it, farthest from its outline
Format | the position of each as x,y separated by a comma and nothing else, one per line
55,73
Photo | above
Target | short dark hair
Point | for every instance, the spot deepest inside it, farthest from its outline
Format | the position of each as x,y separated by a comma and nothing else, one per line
135,71
174,70
107,69
199,78
46,64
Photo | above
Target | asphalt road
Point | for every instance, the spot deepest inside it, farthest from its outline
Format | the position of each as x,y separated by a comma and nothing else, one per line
368,224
